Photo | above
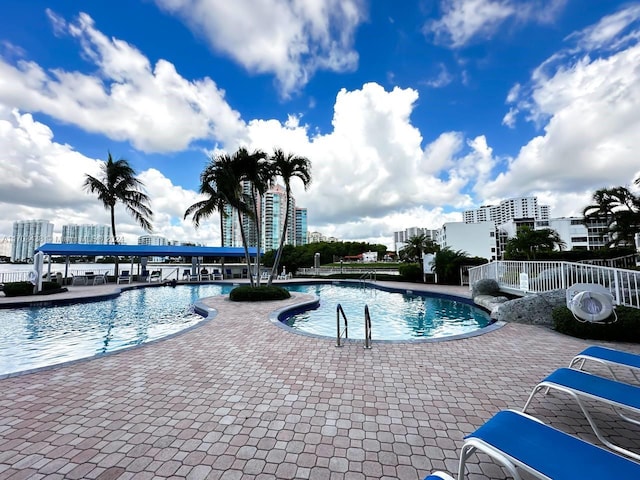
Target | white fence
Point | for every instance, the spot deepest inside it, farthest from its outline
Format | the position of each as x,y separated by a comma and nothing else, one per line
325,271
534,277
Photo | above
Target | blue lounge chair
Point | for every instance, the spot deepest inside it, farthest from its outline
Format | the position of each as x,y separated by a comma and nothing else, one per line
581,385
521,442
609,358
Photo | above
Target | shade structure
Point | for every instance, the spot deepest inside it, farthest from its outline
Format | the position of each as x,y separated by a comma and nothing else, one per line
69,249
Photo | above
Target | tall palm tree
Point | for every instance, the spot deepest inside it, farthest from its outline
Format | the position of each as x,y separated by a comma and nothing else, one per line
254,168
118,184
215,199
416,246
288,166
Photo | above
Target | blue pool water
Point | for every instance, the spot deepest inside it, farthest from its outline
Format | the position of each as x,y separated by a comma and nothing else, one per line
42,336
394,316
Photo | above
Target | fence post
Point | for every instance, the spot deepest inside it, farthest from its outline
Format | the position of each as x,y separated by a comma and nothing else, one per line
563,277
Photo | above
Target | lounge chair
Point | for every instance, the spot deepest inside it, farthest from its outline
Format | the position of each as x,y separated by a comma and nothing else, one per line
100,278
216,275
581,385
521,442
124,277
205,275
186,273
228,273
156,276
610,358
439,476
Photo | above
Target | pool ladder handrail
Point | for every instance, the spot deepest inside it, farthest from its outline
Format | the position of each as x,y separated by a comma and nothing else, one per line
371,275
367,326
339,311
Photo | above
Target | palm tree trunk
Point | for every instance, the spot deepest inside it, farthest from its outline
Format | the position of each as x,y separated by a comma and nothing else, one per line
246,248
258,221
283,236
115,240
222,237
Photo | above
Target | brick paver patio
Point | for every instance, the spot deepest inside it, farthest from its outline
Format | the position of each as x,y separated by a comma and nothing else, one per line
240,397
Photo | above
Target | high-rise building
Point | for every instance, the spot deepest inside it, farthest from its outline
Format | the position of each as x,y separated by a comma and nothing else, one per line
507,210
29,235
401,237
272,211
301,226
87,234
152,240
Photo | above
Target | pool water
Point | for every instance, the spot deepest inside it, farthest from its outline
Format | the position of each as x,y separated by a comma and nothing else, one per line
42,336
394,316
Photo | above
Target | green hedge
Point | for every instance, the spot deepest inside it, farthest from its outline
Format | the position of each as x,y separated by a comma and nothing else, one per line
625,329
18,289
410,272
246,293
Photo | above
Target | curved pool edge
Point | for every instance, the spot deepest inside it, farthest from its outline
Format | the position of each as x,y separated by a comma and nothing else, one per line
199,307
274,317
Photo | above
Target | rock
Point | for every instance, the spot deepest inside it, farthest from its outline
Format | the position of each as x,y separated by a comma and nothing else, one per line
533,309
486,286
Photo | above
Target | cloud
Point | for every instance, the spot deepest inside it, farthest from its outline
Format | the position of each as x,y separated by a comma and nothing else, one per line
588,108
443,78
464,21
373,165
154,108
44,179
289,38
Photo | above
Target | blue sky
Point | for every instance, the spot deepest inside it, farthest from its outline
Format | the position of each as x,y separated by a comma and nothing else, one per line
410,112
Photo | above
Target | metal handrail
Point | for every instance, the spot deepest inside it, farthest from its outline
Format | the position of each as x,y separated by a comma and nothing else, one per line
367,327
370,274
339,311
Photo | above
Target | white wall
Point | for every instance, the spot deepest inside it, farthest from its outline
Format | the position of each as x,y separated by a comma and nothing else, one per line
477,239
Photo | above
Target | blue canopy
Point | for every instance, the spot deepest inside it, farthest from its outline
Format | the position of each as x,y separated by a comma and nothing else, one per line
142,250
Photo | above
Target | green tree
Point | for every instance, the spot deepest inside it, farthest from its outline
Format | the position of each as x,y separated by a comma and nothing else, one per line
288,167
118,184
416,246
619,209
215,199
529,242
255,169
447,263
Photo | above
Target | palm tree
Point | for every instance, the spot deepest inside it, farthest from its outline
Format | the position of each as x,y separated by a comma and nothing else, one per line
118,183
416,246
288,167
620,210
528,242
254,168
215,200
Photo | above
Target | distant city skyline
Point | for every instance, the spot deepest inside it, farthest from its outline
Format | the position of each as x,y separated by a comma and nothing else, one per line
410,112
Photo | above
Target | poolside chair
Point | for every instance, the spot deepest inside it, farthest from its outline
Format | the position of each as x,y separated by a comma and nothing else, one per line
100,279
228,273
144,276
581,385
156,276
124,277
609,358
521,442
216,275
186,273
205,275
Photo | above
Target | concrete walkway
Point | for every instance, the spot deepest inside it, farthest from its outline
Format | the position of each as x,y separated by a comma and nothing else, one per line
240,397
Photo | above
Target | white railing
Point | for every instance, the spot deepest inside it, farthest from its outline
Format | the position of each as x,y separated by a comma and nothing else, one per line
325,271
535,277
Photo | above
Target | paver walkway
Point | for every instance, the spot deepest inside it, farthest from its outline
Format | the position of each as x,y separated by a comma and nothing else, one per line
240,397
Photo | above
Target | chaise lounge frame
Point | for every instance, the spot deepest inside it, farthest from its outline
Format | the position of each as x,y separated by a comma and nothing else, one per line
609,358
520,442
582,385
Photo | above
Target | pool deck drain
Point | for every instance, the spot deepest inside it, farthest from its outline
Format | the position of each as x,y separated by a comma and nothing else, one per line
240,398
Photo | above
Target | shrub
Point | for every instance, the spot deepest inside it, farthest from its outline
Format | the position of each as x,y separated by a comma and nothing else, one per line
246,293
625,329
411,272
17,289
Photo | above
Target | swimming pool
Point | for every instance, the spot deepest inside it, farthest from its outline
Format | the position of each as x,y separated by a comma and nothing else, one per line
394,315
37,337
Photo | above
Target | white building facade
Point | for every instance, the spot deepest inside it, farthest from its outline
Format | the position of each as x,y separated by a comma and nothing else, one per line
86,234
27,236
476,239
